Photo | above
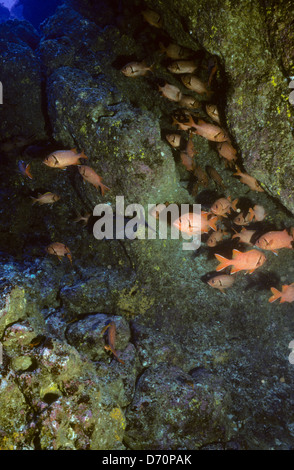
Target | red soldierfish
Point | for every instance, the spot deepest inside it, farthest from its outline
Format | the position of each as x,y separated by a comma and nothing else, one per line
171,92
221,282
91,176
244,236
47,198
248,261
136,69
208,131
275,240
223,206
287,294
191,224
59,250
249,180
111,334
64,158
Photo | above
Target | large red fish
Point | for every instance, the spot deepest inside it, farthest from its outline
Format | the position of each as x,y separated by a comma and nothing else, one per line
275,240
248,261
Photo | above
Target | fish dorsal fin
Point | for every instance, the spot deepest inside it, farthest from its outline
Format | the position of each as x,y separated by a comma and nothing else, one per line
201,122
236,253
284,288
74,150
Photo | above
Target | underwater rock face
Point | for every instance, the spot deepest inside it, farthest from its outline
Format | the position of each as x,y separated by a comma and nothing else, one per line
18,61
201,369
257,111
174,410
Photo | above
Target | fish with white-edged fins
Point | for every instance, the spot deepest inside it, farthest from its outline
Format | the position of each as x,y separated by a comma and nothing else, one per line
64,158
248,261
221,282
46,198
92,177
286,295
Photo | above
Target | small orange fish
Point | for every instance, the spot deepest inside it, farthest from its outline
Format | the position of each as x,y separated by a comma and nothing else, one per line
47,198
182,66
64,158
187,161
221,282
201,176
287,294
212,112
91,176
181,125
174,51
216,237
174,139
111,334
275,240
59,250
25,169
136,69
83,218
249,180
227,151
244,236
171,92
152,17
208,131
248,261
243,219
259,213
212,73
189,102
223,206
190,224
215,176
195,84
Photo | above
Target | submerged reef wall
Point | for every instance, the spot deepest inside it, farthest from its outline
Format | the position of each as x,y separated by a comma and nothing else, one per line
124,344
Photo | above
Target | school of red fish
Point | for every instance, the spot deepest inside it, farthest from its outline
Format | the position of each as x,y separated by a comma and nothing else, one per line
184,65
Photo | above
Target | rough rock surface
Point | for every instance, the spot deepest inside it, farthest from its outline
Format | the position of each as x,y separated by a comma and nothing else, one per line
202,369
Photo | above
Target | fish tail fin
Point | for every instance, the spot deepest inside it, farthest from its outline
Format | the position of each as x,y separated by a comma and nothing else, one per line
224,262
82,155
104,188
28,171
109,348
34,200
251,214
212,223
276,294
234,204
238,171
